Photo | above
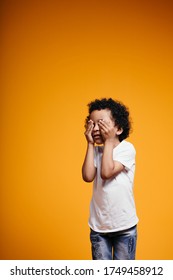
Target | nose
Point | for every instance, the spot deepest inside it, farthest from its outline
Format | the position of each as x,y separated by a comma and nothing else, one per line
96,127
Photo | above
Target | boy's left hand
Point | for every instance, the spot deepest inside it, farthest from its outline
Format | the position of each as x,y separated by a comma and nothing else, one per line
108,131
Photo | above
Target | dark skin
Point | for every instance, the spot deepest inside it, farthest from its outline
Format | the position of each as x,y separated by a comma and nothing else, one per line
101,129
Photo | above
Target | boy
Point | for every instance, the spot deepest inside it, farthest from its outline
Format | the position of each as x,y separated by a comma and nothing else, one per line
110,163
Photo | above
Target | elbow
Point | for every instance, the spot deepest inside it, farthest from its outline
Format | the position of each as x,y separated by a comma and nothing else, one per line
87,179
88,175
105,175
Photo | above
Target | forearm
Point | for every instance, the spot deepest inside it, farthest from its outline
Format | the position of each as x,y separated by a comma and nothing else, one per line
107,165
88,168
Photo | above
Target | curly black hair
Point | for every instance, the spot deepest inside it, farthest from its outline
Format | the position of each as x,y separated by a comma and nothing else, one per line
119,112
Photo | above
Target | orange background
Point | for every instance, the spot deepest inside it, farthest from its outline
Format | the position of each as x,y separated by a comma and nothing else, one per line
55,58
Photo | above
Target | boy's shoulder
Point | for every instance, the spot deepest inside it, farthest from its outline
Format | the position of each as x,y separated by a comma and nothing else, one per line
125,145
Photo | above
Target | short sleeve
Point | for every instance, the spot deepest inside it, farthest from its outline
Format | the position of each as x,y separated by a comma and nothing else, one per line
125,154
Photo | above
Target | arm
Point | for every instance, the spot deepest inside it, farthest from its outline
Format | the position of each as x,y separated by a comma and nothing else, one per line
109,167
88,168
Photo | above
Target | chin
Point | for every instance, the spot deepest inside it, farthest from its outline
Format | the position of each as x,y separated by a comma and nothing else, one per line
98,142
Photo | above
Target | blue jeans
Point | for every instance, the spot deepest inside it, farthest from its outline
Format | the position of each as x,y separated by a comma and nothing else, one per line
119,245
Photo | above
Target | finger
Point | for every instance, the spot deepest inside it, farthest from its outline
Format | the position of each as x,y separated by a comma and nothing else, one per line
90,121
103,130
103,126
90,126
103,123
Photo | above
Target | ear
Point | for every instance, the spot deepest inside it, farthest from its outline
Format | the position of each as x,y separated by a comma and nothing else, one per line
119,131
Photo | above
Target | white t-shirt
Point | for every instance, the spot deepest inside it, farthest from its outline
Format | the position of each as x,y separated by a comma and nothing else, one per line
112,206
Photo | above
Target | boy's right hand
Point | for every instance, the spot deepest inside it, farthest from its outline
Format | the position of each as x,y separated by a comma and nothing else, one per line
88,132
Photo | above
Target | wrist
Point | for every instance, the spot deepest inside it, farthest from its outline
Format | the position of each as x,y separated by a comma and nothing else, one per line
90,144
112,142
